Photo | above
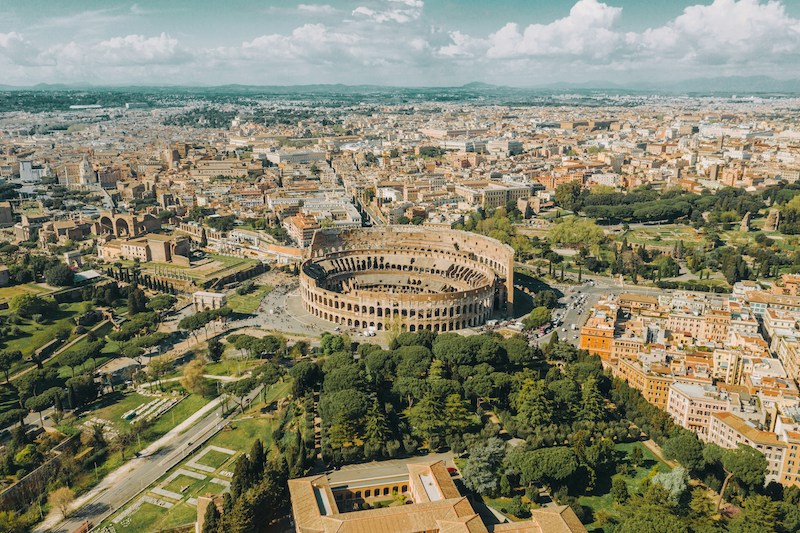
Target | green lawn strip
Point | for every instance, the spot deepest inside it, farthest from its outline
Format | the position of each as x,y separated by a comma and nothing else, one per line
151,517
232,367
246,429
8,293
113,406
214,459
33,336
248,303
184,484
180,412
499,504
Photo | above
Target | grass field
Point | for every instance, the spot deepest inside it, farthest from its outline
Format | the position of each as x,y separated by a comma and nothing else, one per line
232,366
664,235
248,303
214,459
33,336
151,517
7,293
253,425
246,429
601,500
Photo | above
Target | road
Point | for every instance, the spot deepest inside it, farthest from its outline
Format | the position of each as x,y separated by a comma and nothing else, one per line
571,313
125,483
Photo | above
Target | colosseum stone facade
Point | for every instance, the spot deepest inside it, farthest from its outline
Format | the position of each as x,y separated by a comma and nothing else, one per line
411,276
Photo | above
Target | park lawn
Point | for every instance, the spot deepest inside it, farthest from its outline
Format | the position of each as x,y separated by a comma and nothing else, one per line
232,367
214,459
248,303
149,517
252,425
603,500
7,293
500,503
185,484
33,336
112,406
180,412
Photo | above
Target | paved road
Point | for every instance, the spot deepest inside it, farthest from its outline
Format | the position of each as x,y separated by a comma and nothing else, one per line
572,315
129,480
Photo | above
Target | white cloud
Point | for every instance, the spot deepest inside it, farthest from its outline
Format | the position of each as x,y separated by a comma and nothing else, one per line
18,49
130,50
400,11
312,42
724,31
317,9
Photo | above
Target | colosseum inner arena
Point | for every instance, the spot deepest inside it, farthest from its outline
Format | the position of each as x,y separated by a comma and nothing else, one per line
410,277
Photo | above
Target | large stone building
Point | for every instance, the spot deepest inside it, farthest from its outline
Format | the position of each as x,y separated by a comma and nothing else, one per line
410,276
433,505
125,224
154,247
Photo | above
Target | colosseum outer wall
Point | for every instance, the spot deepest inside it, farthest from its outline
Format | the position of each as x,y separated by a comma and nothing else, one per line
423,278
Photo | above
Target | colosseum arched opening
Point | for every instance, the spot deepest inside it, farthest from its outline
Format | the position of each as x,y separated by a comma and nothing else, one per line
408,276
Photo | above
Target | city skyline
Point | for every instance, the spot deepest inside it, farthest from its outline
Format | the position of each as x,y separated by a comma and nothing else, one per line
395,42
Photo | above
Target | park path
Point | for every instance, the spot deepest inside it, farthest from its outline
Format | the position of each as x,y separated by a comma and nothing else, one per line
651,445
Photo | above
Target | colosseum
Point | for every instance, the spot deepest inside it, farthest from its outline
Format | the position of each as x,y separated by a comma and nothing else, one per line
411,276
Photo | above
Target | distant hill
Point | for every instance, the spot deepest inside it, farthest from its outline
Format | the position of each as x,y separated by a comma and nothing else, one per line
739,85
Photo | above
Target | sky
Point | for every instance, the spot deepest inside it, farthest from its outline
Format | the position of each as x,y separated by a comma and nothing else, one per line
394,42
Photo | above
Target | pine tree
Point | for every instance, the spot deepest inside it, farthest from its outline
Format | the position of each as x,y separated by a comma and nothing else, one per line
212,519
458,416
592,403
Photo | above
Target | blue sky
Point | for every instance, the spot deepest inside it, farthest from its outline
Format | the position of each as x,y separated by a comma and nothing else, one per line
394,42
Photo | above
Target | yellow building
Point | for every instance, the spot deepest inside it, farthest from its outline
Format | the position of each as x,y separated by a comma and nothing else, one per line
652,381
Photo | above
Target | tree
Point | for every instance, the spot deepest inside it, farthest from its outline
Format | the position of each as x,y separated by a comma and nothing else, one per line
747,465
675,482
619,490
428,420
193,380
546,298
161,302
59,275
481,473
215,350
687,449
533,404
700,505
212,519
158,368
760,514
7,360
652,519
61,499
537,318
457,416
636,456
592,402
137,301
26,305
